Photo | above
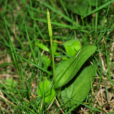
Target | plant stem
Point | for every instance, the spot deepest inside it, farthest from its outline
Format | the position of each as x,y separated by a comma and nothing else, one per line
51,43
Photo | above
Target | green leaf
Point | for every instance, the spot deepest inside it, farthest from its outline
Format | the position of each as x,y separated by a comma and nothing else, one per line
55,46
42,46
79,88
46,61
72,47
68,69
81,7
100,2
45,89
11,83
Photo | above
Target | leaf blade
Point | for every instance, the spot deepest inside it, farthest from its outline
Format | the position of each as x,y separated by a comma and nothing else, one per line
78,90
68,69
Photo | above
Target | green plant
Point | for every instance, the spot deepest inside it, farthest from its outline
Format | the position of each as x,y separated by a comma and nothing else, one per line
46,61
70,79
44,90
10,84
72,47
25,56
82,7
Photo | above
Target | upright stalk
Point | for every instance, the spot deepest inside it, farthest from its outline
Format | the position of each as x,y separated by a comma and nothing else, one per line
51,43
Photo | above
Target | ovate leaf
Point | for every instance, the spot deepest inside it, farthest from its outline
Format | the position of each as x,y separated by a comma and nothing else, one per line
68,69
46,61
42,46
76,92
45,90
80,7
10,83
72,46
